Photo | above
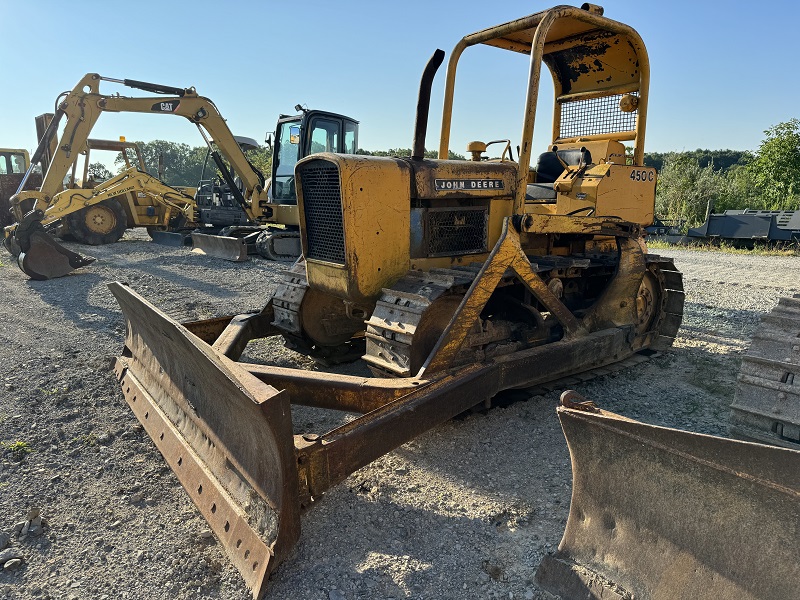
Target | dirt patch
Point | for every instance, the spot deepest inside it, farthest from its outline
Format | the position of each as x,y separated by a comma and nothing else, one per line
466,510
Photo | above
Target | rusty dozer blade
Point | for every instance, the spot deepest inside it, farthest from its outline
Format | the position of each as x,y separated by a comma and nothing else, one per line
220,246
41,257
225,434
226,431
660,513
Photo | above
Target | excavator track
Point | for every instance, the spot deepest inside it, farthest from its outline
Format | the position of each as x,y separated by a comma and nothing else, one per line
410,315
279,245
766,407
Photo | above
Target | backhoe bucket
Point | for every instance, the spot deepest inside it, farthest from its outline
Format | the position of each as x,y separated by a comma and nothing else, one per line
225,434
47,259
660,513
220,246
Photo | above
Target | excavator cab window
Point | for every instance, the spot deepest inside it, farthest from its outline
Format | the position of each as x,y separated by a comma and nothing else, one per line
324,135
350,137
287,154
298,137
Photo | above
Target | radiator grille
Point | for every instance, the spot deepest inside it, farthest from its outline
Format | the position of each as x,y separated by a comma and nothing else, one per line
457,231
322,206
595,116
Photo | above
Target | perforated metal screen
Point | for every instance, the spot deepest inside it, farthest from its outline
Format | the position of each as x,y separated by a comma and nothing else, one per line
456,231
595,116
322,206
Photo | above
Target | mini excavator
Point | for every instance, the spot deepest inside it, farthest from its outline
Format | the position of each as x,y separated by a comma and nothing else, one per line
34,211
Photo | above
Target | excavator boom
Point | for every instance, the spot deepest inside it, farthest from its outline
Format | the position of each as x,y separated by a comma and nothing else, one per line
79,110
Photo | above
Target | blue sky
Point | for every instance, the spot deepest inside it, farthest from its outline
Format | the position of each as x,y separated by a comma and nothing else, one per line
721,72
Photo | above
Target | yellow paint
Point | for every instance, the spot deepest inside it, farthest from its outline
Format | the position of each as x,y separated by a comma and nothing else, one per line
376,221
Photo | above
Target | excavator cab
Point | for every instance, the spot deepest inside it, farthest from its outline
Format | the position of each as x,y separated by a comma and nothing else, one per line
298,136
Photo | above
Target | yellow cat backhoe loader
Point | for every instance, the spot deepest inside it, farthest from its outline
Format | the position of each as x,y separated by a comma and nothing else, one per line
106,212
80,108
453,279
95,212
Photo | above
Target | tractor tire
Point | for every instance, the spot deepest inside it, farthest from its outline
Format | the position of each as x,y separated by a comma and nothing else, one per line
102,223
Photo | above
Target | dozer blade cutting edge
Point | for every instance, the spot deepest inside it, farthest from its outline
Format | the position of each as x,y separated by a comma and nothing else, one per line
660,513
220,246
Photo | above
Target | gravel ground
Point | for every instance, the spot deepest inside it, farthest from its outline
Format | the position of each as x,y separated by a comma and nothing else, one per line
464,511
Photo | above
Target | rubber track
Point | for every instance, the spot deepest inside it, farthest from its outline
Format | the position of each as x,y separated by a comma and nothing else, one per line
268,242
766,407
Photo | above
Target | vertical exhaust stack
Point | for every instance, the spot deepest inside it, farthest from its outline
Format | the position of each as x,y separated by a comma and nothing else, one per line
424,104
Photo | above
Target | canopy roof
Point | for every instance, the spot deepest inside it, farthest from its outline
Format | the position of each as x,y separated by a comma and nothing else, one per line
585,52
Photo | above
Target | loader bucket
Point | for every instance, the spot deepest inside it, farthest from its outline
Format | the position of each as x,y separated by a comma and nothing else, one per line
660,513
225,434
220,246
47,259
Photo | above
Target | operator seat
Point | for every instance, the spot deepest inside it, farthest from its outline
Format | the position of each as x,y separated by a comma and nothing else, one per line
549,169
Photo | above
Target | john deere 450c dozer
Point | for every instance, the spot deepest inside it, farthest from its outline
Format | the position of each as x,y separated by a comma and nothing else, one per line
455,279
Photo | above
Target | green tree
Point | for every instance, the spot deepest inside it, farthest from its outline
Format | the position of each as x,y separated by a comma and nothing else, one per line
99,172
261,159
740,192
183,164
685,189
776,166
406,152
723,160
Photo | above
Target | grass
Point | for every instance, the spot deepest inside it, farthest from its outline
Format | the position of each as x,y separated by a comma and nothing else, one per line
18,449
89,440
758,249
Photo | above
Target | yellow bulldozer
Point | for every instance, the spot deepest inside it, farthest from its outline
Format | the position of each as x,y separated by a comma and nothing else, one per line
453,280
